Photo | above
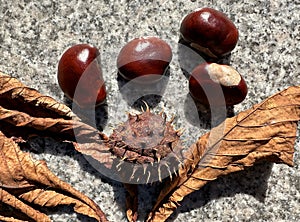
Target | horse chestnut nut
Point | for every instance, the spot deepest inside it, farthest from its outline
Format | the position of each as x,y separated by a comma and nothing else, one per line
210,32
147,57
79,71
211,83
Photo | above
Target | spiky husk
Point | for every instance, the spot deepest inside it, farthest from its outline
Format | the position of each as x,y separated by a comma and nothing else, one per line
149,145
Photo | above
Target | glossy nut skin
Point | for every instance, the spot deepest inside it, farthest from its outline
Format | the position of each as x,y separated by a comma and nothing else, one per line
209,31
211,83
79,70
146,57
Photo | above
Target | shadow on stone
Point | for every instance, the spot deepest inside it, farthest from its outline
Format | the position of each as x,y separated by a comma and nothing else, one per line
97,116
252,181
205,119
136,94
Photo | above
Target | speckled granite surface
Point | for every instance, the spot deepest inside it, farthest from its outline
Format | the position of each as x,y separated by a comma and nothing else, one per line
33,35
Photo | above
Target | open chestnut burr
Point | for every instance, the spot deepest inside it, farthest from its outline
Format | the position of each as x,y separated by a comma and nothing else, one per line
209,31
212,83
147,57
79,71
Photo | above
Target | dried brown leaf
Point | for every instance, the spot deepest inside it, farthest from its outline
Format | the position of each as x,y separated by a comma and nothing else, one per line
9,219
25,112
25,181
266,132
14,94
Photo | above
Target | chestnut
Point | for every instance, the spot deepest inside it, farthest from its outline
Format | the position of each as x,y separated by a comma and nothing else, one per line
147,57
210,32
211,83
79,70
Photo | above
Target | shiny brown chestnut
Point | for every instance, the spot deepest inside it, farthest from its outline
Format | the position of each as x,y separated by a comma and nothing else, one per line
212,83
210,32
146,57
79,71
